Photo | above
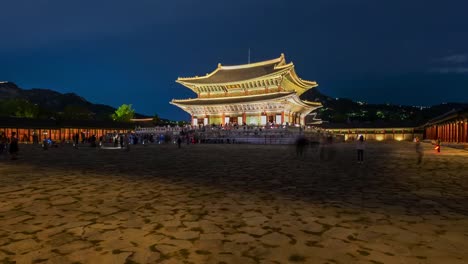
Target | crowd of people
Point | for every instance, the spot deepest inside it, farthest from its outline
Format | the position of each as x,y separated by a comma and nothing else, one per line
9,144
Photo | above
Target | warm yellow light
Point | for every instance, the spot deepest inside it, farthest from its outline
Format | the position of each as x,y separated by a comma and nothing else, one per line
379,137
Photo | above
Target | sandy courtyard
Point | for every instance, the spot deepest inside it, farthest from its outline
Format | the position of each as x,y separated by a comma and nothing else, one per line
234,204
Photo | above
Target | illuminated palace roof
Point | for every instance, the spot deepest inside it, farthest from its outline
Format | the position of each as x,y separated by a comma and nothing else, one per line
249,76
224,74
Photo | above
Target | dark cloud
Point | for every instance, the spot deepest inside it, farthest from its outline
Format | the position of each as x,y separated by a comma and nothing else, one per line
459,70
457,58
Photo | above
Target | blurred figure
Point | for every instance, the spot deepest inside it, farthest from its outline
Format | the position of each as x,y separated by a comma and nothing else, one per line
121,140
326,149
301,142
419,150
179,141
360,147
14,146
76,138
92,141
45,144
35,138
3,142
127,142
437,147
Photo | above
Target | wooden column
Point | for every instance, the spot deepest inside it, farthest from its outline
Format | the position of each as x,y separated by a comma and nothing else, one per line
452,132
282,117
455,131
461,131
244,118
445,133
448,133
439,135
465,130
442,132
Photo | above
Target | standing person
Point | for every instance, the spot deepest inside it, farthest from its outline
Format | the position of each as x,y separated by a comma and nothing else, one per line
14,146
419,151
360,146
126,142
35,138
3,142
121,140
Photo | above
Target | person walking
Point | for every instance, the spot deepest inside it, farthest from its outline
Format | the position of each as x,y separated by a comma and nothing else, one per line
419,150
360,147
301,143
14,146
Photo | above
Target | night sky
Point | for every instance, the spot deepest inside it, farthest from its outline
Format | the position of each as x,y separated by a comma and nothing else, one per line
119,51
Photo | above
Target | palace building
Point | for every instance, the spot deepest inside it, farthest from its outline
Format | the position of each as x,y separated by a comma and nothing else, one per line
253,94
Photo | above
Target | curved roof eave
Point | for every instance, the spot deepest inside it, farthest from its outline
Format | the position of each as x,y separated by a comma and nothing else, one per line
280,60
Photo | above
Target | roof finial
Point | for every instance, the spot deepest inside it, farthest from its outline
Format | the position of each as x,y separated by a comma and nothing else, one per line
219,64
249,57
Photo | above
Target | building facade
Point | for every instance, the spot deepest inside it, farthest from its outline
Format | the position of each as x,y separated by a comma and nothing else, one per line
253,94
375,133
449,127
26,129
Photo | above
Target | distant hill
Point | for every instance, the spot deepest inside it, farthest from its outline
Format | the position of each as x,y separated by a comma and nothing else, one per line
50,103
342,110
45,103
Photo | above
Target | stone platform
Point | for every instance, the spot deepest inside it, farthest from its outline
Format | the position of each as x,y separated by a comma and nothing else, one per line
234,204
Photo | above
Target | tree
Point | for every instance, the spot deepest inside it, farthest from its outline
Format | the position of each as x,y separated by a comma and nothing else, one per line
18,108
124,113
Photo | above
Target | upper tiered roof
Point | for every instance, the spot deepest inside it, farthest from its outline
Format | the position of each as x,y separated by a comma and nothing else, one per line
245,72
228,74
